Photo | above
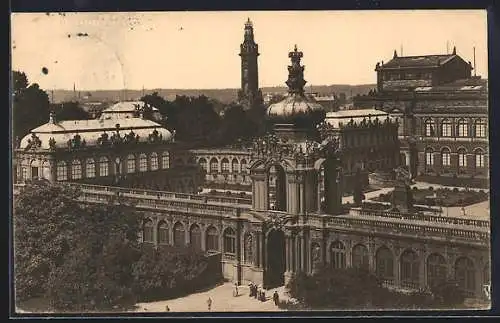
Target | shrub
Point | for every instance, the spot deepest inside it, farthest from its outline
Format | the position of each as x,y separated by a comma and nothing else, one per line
431,188
455,190
447,294
415,188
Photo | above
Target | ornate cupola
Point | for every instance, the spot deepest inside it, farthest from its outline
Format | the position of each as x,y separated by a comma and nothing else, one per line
297,115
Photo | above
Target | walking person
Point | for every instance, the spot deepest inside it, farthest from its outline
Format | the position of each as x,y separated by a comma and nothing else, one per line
276,298
209,303
167,309
250,288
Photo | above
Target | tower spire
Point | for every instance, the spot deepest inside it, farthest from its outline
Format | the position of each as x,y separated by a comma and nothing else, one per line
249,95
295,80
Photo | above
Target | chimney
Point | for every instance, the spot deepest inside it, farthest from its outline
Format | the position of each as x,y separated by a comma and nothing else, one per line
395,54
454,51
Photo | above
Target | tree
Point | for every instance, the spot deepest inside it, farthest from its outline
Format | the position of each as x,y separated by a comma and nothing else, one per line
30,105
45,220
70,110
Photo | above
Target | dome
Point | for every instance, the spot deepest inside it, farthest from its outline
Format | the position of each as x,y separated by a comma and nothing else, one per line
296,107
294,104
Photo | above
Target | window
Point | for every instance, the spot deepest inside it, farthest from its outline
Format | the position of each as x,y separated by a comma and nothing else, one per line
212,243
409,269
446,128
429,128
90,168
225,165
360,257
445,157
465,274
165,160
229,241
195,237
235,166
244,168
203,163
436,270
179,235
479,157
103,166
337,255
143,163
385,264
480,128
147,235
130,164
76,169
462,158
463,128
62,171
34,170
214,165
429,157
154,161
163,237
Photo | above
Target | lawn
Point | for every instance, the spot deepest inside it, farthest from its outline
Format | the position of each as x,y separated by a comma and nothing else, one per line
442,197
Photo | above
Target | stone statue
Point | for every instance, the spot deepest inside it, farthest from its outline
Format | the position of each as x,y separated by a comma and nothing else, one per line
403,175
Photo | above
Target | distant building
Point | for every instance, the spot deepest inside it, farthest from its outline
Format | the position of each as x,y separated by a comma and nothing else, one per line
128,109
250,96
443,115
112,150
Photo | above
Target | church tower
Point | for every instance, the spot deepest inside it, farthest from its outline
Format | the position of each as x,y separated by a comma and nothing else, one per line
249,95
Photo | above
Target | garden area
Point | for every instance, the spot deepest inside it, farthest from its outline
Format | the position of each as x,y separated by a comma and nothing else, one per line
357,289
88,258
445,197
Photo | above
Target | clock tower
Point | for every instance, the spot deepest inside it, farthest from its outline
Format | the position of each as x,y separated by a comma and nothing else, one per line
249,95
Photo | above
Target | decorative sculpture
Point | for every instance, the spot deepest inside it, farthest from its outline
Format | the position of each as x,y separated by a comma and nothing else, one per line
34,142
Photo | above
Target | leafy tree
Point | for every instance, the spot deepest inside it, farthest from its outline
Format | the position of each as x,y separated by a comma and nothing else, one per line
45,220
70,110
30,105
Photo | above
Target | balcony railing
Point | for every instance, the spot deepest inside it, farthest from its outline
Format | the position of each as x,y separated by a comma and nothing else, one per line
421,217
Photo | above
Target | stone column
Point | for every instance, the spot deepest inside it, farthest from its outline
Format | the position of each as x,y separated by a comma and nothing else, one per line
422,256
53,170
155,232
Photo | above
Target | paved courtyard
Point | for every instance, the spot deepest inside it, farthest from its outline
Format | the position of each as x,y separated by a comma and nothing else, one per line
222,301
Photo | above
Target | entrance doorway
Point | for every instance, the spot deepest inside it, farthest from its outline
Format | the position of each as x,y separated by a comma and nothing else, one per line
275,273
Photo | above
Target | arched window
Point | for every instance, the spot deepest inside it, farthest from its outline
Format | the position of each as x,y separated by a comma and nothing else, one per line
165,160
195,237
214,165
103,166
385,265
90,168
143,163
480,128
465,274
225,166
76,169
429,157
337,255
163,236
429,127
130,164
445,157
179,235
62,171
360,257
446,128
463,128
462,157
229,241
479,158
45,170
154,161
147,231
436,270
34,169
212,243
248,248
203,163
235,166
244,168
409,269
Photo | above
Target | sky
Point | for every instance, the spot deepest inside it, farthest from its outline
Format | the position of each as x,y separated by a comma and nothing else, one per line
199,50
